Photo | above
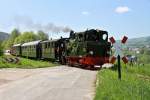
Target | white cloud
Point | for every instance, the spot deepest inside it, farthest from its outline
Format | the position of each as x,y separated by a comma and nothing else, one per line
85,13
122,9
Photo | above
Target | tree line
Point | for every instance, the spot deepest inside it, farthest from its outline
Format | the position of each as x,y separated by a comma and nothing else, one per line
17,37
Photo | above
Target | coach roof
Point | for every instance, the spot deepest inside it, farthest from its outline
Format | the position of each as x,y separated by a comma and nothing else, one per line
16,45
50,40
31,43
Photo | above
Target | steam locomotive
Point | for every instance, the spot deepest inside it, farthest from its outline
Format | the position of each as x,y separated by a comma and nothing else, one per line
88,48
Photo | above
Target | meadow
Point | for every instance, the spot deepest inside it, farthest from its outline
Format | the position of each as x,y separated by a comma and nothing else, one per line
134,85
25,63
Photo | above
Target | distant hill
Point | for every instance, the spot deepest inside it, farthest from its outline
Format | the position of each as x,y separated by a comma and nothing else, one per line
139,42
3,36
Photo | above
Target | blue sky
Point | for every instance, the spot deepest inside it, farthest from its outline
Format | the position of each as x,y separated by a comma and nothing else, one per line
118,17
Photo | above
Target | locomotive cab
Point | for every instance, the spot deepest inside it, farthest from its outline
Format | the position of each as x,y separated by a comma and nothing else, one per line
97,43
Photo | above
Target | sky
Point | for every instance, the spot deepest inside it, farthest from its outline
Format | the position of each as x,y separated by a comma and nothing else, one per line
118,17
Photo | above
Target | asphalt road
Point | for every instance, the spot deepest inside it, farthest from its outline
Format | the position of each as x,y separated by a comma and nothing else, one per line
57,83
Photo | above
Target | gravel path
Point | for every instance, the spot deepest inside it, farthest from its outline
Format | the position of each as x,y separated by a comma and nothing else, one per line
57,83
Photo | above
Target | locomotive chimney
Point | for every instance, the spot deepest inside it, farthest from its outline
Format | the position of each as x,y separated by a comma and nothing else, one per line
71,34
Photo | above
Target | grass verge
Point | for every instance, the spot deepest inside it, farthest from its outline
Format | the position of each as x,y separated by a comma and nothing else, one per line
26,63
135,84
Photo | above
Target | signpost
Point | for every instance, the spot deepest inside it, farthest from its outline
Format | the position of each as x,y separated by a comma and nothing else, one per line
118,54
119,67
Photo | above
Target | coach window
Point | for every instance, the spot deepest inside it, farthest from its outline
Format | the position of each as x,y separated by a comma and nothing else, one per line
45,45
50,44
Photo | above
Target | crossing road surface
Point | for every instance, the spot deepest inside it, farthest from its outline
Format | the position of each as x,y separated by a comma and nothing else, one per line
57,83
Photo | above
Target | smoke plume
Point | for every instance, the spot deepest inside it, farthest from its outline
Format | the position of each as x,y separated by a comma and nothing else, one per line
27,23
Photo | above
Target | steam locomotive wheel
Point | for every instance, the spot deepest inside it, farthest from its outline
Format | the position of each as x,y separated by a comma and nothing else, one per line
90,67
63,60
69,62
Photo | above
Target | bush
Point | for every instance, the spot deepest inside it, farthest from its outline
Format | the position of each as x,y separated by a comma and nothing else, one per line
1,50
146,59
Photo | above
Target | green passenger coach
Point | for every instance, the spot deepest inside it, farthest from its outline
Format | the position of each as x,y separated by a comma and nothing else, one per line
16,50
48,49
31,49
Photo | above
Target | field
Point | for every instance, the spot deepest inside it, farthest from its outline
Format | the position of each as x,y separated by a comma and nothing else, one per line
26,63
134,85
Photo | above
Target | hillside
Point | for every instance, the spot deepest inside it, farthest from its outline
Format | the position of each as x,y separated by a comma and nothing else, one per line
139,42
3,36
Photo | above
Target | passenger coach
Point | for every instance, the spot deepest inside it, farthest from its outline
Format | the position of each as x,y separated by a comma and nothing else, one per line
16,50
31,49
54,49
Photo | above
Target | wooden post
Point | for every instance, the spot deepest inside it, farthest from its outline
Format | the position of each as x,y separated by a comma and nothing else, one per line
119,67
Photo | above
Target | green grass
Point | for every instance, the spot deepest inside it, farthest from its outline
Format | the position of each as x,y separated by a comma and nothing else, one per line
135,84
26,63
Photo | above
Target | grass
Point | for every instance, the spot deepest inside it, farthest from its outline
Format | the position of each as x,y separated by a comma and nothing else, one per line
26,63
135,84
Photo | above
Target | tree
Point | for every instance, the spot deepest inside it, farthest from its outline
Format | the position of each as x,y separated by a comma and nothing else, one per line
14,34
147,51
1,49
42,36
26,37
142,51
